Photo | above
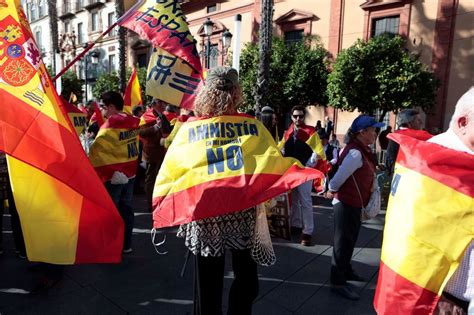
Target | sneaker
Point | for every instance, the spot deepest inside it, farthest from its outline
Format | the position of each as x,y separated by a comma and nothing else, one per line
306,239
346,292
127,250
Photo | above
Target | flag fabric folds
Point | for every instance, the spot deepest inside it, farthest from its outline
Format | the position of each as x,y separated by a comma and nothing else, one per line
133,94
221,165
66,214
428,226
116,147
172,80
309,136
164,24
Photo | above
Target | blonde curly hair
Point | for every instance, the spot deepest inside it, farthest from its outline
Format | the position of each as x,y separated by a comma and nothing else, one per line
218,97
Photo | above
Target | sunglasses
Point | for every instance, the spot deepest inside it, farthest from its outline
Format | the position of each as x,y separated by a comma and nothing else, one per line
298,116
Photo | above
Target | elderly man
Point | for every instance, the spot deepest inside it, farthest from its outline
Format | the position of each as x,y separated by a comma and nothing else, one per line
410,123
460,136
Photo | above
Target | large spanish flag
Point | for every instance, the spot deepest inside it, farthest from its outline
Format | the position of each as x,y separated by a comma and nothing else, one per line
221,165
116,147
66,214
133,94
429,225
164,24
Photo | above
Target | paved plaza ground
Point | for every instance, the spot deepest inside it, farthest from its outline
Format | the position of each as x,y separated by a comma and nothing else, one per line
149,283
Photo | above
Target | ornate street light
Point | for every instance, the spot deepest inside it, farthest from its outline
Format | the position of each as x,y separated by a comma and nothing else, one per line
90,60
208,26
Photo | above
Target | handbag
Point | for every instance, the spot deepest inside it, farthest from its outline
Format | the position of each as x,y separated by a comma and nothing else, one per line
373,207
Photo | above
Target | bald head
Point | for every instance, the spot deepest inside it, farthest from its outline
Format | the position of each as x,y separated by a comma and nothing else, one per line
462,121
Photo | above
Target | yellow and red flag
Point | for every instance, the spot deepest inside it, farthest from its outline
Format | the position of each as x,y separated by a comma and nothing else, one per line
172,80
429,225
133,94
97,115
164,24
76,116
116,147
308,135
179,121
66,214
221,165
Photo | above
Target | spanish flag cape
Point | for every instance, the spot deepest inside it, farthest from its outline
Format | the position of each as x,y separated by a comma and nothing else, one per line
180,120
219,165
148,118
429,225
96,116
77,116
67,216
116,147
308,135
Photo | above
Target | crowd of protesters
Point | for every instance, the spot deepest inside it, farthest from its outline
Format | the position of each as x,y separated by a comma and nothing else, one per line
351,178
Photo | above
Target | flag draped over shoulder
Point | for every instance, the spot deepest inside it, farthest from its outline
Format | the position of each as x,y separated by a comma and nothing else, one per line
66,214
180,120
76,116
172,80
428,225
164,24
221,165
309,136
133,94
116,147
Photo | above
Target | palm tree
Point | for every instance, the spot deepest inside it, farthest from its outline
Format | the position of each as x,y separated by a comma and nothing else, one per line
265,48
119,11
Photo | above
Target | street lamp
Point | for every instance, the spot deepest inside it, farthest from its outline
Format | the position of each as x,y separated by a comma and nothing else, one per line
208,25
226,41
90,59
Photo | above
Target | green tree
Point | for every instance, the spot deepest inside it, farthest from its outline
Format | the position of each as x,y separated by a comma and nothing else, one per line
298,74
71,84
380,74
106,82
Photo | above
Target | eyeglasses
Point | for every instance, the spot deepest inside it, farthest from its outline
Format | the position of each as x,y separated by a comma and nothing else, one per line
298,116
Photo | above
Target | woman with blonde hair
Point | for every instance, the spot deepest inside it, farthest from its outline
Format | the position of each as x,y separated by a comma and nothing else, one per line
209,238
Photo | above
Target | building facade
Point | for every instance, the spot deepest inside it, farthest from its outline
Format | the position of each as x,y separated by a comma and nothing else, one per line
440,31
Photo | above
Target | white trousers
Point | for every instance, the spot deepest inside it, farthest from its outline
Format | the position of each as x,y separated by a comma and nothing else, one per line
302,207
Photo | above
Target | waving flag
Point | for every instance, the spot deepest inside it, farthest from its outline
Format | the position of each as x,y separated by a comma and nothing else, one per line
163,23
221,165
116,147
66,214
133,94
77,116
429,224
97,115
172,80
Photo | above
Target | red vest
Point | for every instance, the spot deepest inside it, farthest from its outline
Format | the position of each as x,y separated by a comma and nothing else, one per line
364,176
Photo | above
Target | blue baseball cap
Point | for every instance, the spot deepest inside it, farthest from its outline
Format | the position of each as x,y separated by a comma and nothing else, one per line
364,121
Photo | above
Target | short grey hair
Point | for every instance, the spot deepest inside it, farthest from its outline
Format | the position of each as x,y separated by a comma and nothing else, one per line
464,107
406,116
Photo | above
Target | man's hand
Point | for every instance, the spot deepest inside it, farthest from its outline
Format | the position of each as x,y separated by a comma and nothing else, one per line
330,194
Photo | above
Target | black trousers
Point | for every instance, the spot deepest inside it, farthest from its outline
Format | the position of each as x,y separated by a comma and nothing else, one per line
209,281
15,222
346,231
150,178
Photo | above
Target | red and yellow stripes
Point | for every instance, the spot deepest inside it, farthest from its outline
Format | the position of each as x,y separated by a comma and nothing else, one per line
308,135
133,94
116,147
428,226
221,165
76,116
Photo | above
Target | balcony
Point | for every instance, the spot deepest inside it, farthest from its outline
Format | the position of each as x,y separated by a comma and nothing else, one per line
92,4
65,10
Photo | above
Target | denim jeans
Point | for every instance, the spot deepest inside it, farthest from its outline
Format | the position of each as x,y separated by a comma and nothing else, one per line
122,196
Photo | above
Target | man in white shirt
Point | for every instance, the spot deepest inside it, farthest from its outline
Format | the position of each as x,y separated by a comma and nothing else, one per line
459,290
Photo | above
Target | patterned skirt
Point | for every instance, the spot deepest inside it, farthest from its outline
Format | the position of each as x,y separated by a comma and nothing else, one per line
212,236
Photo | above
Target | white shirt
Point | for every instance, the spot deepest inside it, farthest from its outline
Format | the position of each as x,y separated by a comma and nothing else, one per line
334,154
461,284
349,165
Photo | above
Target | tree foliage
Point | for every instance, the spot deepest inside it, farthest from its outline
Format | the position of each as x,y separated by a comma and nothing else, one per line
106,82
70,83
380,74
111,82
298,74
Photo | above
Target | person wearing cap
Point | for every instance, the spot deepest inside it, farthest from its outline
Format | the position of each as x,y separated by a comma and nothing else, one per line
208,239
351,188
409,123
459,289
